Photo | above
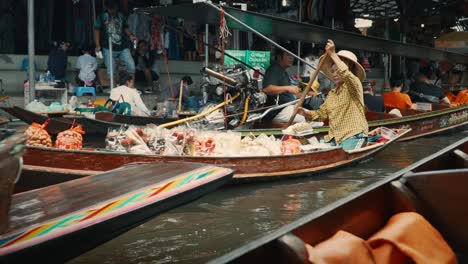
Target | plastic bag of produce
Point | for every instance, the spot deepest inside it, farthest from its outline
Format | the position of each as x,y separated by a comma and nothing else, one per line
227,143
205,144
290,146
156,138
260,146
134,142
180,142
71,138
36,135
113,140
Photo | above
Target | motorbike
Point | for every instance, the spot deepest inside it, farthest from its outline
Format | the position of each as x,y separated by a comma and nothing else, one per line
221,84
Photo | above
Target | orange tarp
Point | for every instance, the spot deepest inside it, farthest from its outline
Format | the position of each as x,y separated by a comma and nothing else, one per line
406,238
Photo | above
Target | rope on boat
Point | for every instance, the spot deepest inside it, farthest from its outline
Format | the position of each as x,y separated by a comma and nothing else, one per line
207,112
246,111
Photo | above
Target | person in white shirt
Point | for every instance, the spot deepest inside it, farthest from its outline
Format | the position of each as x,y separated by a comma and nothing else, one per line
87,65
126,92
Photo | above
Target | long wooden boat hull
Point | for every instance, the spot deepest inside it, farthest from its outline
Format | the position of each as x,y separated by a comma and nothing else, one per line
421,124
54,127
59,124
245,168
10,168
433,187
62,221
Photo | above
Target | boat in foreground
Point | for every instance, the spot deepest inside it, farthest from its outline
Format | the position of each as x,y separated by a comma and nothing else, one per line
62,221
62,164
10,168
434,187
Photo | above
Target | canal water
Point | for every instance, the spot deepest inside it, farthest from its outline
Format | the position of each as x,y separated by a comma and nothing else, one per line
235,215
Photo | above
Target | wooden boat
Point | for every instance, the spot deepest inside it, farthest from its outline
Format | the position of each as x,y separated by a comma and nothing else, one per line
62,221
59,124
132,120
435,187
442,118
10,168
68,163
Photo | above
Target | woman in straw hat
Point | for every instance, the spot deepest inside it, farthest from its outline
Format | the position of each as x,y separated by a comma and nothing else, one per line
344,106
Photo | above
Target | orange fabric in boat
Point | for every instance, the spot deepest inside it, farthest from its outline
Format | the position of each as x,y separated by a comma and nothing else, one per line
451,97
406,238
462,97
343,247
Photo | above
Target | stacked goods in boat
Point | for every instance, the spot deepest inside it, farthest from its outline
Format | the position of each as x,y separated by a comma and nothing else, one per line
253,158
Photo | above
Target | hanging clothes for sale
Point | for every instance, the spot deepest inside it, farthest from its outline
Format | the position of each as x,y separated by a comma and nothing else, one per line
173,49
79,35
140,25
157,34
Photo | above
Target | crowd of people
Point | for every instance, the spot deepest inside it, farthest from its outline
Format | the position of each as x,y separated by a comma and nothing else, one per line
111,28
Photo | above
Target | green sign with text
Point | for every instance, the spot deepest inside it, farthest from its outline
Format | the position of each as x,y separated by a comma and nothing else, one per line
251,57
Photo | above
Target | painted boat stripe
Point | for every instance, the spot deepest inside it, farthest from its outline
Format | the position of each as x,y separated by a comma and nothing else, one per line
160,189
126,201
203,175
59,224
186,180
7,239
23,235
97,211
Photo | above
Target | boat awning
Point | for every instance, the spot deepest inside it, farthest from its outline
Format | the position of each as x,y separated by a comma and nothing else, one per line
296,31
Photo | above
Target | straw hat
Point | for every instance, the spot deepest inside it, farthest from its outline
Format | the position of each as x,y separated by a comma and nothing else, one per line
346,54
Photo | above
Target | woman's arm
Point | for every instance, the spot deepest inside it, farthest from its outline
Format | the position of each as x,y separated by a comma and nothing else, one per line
276,89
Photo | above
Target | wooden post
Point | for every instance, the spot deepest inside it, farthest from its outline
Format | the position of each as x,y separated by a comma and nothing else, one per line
181,93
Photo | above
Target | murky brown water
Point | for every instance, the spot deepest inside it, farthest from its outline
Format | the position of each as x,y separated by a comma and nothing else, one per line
235,215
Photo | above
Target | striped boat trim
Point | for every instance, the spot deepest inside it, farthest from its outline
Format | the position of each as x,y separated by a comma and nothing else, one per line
36,234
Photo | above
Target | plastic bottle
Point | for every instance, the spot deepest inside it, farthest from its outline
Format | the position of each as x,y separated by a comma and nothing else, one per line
48,77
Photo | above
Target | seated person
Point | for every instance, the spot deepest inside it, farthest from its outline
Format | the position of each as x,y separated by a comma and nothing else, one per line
277,86
58,60
373,102
145,63
87,65
424,91
126,92
344,106
187,81
396,99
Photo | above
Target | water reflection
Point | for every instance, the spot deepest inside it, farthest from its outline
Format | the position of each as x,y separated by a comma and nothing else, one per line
224,220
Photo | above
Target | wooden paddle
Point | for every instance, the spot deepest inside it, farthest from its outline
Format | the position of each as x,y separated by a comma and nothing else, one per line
181,93
4,98
307,89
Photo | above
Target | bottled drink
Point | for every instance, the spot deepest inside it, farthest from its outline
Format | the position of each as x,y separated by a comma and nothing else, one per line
48,77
